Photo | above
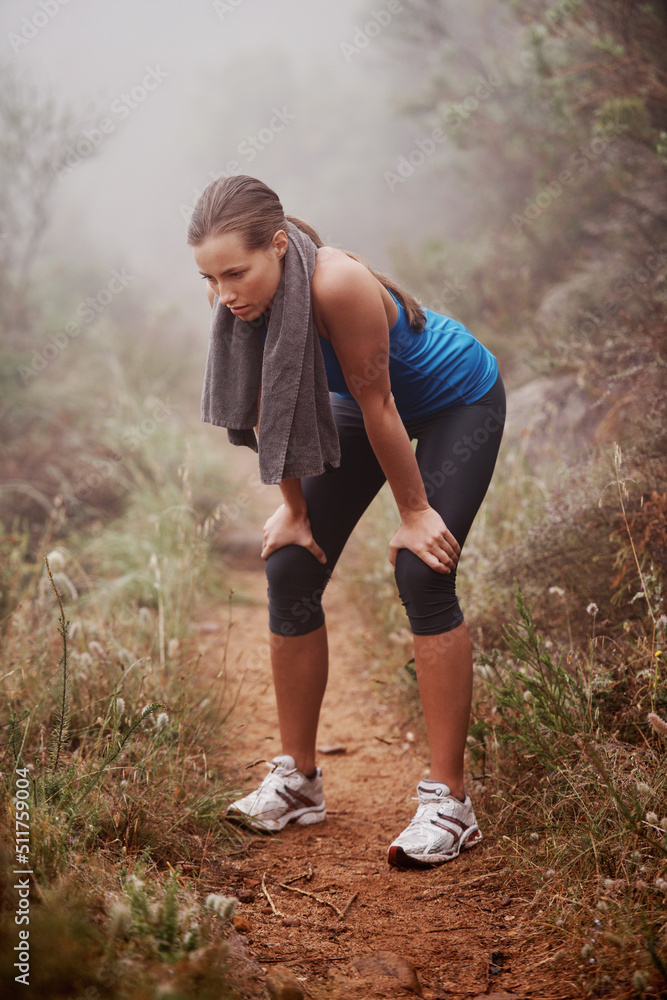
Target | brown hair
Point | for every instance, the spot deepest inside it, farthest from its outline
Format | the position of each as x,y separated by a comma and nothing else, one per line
244,205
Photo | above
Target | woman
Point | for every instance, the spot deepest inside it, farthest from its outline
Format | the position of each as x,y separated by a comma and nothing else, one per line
396,372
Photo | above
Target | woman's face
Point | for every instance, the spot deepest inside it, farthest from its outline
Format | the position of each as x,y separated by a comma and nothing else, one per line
245,280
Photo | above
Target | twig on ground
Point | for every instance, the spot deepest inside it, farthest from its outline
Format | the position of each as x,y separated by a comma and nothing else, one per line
319,899
277,912
308,874
478,878
462,885
311,895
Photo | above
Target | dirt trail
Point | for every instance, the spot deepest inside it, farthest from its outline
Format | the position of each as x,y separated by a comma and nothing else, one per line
467,928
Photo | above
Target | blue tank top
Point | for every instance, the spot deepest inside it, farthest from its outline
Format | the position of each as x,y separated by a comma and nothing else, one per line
442,366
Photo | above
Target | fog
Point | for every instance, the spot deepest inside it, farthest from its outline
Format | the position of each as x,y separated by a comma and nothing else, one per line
171,94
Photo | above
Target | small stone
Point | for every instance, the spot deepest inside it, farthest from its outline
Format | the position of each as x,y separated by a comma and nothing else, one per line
267,910
282,985
387,964
291,922
245,896
242,925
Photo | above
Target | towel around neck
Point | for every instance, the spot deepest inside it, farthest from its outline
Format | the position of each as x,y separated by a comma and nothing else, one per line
297,435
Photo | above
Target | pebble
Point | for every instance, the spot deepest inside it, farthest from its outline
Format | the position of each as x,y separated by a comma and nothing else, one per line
245,896
387,964
282,985
266,910
291,922
241,924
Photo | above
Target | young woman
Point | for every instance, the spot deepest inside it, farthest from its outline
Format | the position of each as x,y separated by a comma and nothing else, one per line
396,372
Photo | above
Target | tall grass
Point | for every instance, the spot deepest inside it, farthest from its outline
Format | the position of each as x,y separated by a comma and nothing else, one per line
567,744
580,796
106,561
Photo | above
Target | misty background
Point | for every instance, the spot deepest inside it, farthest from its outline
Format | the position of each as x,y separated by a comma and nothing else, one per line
506,162
223,70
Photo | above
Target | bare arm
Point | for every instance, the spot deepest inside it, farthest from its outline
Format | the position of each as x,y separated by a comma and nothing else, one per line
349,301
289,524
357,325
293,496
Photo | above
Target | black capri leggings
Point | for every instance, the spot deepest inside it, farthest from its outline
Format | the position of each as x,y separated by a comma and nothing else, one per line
456,453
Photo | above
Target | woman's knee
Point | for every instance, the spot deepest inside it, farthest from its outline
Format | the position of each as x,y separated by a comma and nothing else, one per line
429,597
296,583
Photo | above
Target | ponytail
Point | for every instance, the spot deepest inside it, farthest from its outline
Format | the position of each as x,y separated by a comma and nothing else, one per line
413,311
245,205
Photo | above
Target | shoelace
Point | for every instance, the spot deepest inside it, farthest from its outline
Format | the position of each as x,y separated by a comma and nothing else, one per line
273,773
424,806
421,809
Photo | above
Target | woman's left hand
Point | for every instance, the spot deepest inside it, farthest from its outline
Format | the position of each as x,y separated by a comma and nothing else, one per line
425,533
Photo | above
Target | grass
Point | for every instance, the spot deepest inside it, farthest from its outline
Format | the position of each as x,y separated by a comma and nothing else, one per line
122,763
116,749
580,800
566,749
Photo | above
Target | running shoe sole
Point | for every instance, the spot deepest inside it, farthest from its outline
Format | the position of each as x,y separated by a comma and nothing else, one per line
303,817
398,858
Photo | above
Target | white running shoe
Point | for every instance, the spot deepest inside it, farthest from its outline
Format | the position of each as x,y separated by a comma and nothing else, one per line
441,827
285,796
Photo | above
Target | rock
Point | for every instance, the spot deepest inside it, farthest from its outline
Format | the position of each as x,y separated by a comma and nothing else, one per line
387,964
246,977
245,896
496,964
552,416
291,922
282,985
242,925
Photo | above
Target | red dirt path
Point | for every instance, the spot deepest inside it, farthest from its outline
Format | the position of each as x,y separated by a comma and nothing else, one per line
468,928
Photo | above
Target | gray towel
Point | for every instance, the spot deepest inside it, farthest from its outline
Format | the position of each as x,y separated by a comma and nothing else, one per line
297,435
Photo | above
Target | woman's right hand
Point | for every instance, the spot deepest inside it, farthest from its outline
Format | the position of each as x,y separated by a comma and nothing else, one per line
285,527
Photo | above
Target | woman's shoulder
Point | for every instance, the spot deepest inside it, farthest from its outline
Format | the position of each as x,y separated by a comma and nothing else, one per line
338,274
342,285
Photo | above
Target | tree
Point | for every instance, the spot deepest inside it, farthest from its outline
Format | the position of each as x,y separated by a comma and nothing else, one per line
566,153
33,132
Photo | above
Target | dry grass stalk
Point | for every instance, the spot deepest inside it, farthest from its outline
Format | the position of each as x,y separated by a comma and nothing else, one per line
657,723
